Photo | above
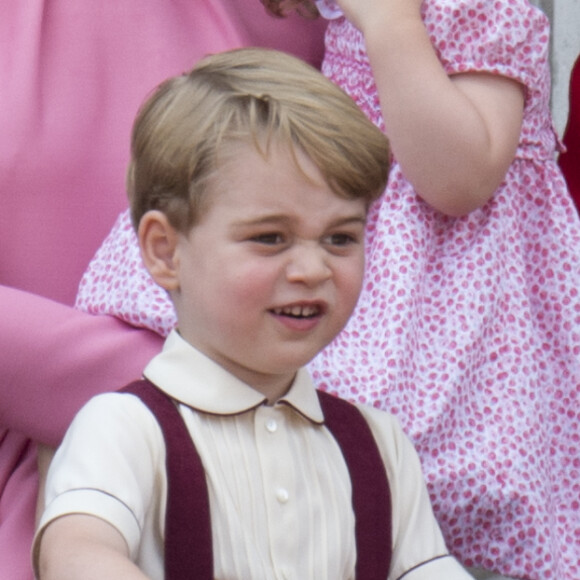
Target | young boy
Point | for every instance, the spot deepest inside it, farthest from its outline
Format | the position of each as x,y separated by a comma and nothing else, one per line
250,182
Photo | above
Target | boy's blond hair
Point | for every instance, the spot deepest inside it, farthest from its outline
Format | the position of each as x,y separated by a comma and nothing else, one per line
255,96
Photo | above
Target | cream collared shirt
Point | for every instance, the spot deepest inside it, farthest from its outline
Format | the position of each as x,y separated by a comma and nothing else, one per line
278,485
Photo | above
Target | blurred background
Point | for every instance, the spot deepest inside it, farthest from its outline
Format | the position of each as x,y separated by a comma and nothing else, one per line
565,17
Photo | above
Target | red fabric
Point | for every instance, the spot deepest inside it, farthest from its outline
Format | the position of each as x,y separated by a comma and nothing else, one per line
371,499
188,539
570,160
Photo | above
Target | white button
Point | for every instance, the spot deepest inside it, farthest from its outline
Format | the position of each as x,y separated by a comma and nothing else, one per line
271,425
282,495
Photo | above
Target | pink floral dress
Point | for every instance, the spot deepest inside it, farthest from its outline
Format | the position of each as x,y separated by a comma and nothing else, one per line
468,329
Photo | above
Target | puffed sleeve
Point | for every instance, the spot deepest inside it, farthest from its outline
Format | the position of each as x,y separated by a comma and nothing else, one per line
504,37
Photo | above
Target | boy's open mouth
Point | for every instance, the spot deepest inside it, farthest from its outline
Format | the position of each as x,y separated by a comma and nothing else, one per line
298,311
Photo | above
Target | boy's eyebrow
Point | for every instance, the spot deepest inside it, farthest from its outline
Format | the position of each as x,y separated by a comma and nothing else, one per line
283,218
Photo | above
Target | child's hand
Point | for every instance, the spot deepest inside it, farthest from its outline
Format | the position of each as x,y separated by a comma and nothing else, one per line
282,8
366,13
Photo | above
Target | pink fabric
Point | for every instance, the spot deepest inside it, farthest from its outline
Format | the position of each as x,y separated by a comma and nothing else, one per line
72,75
53,359
474,337
468,329
18,478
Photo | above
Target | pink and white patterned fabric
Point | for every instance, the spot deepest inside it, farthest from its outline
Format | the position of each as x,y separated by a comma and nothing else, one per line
328,9
468,329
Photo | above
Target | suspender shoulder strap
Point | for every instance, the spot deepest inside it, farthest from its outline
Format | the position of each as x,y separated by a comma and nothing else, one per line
188,539
371,496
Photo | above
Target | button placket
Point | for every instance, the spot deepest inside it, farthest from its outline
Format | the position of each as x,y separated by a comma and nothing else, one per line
275,456
281,493
278,477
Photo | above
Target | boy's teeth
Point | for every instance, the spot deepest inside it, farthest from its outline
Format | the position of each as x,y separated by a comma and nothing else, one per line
297,311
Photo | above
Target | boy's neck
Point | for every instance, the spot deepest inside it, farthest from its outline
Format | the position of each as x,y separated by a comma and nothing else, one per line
272,385
274,393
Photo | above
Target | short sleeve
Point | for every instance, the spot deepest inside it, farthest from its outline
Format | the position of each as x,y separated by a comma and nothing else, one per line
419,551
504,37
117,283
106,467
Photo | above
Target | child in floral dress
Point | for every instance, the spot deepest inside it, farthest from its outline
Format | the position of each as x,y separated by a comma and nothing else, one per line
468,327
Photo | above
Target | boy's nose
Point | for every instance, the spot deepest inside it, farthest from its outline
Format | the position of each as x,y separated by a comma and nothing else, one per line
308,264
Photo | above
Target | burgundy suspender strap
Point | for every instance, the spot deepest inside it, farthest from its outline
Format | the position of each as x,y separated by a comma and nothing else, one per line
188,539
371,496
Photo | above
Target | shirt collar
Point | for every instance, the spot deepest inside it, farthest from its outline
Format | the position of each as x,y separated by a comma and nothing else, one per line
192,378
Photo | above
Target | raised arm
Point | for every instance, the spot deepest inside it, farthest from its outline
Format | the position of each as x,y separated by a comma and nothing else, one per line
454,137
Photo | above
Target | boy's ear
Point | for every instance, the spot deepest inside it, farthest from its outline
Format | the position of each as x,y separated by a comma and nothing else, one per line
158,242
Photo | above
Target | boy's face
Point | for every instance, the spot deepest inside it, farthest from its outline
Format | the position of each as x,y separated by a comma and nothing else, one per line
273,269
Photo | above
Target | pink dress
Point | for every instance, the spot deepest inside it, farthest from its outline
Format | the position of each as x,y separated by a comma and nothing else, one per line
72,75
468,329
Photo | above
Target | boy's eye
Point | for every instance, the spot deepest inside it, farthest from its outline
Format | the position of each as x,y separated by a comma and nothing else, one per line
342,239
270,239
